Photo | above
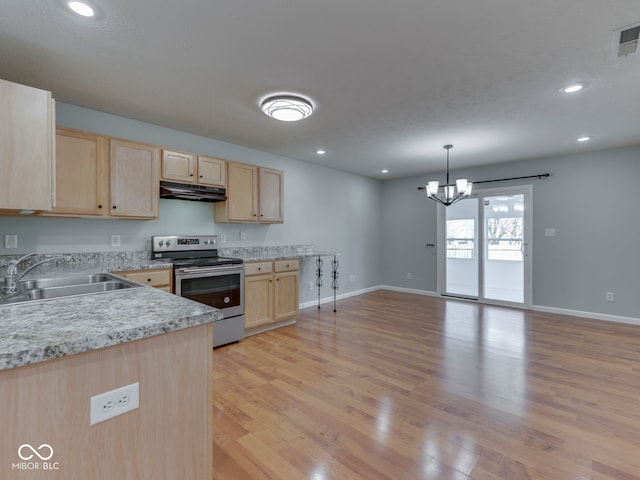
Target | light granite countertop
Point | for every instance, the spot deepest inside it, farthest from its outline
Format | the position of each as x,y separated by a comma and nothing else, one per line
33,332
259,254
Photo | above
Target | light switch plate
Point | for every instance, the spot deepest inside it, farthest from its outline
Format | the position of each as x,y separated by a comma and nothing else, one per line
11,241
115,240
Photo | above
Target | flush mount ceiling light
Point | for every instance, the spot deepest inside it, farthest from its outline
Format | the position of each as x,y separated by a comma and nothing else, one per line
450,193
573,87
583,139
82,9
287,108
384,170
320,151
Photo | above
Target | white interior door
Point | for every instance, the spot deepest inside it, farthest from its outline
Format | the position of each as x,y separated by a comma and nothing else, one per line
487,244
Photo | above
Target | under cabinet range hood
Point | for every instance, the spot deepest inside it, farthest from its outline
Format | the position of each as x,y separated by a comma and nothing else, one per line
195,193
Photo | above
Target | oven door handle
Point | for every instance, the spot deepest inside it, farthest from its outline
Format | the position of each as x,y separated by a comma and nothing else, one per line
235,268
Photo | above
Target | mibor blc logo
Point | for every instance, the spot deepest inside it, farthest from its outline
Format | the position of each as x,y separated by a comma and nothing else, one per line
35,458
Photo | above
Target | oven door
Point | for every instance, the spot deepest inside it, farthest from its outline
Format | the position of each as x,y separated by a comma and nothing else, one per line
219,287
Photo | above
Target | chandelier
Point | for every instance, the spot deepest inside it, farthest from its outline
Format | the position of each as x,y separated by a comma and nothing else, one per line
450,193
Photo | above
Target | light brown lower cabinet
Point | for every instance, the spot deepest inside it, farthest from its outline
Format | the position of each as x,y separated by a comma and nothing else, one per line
160,278
271,294
168,437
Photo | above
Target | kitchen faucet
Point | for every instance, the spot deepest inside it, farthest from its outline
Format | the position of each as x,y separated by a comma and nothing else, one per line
11,276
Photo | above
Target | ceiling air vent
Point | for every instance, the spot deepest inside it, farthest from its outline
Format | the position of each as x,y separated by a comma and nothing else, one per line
625,41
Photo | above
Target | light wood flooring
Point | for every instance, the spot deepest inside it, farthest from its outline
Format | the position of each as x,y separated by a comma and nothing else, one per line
399,386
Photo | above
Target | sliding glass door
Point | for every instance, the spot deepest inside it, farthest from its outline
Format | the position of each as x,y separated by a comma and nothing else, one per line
486,253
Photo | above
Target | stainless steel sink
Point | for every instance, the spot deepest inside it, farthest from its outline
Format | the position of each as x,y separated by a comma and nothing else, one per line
71,290
68,280
66,286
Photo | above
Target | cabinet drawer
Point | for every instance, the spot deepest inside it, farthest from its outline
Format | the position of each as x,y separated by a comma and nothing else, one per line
256,268
150,277
286,265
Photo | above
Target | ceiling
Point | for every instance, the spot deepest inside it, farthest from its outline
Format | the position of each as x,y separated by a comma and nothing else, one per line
391,82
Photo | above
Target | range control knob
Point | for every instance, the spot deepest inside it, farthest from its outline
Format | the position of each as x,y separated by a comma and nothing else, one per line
168,243
161,243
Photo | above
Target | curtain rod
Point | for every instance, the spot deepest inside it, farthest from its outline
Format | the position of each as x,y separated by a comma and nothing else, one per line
540,176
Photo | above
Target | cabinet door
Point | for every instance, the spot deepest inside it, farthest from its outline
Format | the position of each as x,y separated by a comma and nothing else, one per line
178,166
258,304
135,179
242,195
212,171
271,195
285,295
26,148
82,173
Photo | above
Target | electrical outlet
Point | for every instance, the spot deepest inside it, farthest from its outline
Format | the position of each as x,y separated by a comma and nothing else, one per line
11,241
608,296
243,235
311,285
115,240
115,402
223,239
409,276
352,277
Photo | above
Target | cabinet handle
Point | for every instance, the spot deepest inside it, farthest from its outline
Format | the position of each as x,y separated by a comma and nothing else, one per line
114,207
287,265
200,176
148,280
99,206
191,174
259,268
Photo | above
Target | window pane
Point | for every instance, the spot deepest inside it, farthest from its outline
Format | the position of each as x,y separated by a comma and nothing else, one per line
460,238
504,238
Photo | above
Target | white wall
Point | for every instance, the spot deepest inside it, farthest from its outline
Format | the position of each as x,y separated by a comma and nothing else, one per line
330,209
591,200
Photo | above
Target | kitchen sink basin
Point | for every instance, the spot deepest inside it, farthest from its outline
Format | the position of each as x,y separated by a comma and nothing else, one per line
66,286
71,290
67,280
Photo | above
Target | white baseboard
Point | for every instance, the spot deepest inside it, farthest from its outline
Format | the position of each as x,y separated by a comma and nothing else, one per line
591,315
429,293
314,303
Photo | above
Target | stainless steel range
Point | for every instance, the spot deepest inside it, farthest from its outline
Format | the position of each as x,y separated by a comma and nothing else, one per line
201,275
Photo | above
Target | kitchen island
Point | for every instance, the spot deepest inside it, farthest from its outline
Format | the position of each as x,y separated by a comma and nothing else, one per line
56,354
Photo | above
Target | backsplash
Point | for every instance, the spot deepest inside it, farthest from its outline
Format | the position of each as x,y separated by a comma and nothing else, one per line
265,250
97,258
112,259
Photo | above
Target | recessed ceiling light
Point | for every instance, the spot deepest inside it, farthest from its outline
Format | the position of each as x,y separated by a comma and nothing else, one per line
81,8
384,170
583,139
287,108
320,151
573,87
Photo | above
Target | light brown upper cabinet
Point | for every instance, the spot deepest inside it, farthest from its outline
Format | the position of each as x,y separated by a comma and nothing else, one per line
97,176
212,171
27,123
187,167
135,179
271,190
82,173
254,195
